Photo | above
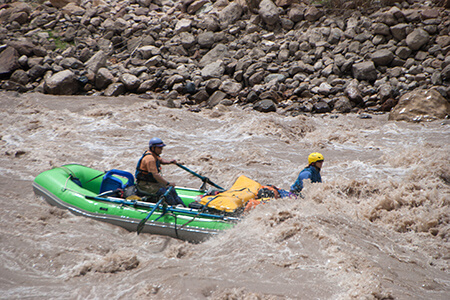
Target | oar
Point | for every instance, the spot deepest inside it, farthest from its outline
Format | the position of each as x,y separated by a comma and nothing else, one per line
186,211
101,174
203,178
163,197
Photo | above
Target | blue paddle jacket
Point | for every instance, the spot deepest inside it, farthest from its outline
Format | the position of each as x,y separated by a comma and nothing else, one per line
310,172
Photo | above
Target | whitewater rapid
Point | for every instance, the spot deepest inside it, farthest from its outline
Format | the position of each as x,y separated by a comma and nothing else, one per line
376,228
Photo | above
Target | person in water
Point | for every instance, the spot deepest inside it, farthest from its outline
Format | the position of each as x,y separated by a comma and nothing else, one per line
312,172
149,179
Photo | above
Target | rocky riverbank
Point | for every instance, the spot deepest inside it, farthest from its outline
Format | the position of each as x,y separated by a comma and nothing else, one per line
285,56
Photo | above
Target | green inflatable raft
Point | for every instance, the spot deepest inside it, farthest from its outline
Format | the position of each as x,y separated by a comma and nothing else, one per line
81,190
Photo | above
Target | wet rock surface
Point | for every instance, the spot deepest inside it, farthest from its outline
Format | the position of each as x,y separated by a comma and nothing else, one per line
285,56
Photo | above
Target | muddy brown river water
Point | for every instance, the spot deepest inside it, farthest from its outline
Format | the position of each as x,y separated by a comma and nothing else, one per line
376,228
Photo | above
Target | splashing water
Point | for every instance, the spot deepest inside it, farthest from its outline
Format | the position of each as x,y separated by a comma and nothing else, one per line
376,228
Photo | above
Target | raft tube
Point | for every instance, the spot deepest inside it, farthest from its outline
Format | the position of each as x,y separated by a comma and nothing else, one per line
76,188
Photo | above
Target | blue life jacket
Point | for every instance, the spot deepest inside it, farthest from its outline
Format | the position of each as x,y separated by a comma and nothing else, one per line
310,172
142,175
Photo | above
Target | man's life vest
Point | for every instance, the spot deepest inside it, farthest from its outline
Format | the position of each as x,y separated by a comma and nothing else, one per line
142,175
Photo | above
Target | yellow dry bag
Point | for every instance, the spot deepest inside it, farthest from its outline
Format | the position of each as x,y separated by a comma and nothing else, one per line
242,191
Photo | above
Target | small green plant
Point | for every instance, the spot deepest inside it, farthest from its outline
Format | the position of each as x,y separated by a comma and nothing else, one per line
59,44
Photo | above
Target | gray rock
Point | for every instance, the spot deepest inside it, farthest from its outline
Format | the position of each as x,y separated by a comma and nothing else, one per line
416,39
115,89
219,52
268,12
148,51
147,85
96,62
382,57
196,6
187,40
230,14
265,106
36,71
216,98
321,107
20,76
154,61
290,50
256,78
381,28
230,87
213,70
335,36
403,52
252,97
365,71
71,63
324,89
176,78
399,31
312,14
385,92
130,81
9,61
206,39
446,73
210,23
183,25
274,77
201,96
9,85
343,105
296,13
61,83
420,105
19,17
61,3
213,85
353,92
103,78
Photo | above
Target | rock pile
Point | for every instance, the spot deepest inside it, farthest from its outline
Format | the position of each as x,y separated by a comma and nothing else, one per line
283,56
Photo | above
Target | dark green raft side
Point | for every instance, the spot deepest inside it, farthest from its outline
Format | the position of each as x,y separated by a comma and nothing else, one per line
58,189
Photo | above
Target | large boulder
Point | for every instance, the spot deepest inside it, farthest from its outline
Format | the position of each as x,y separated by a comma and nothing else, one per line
268,12
62,83
103,78
416,39
420,105
365,71
9,61
130,81
96,62
230,14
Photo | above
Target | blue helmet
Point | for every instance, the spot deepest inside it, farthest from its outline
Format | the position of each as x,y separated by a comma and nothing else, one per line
156,142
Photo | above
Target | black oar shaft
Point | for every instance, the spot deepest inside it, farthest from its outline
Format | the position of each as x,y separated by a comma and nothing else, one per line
203,178
163,197
151,205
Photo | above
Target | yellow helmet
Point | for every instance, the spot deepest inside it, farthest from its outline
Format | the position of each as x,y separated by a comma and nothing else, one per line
315,157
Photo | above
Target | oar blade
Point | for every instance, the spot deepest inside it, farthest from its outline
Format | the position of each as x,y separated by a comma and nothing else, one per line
141,225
